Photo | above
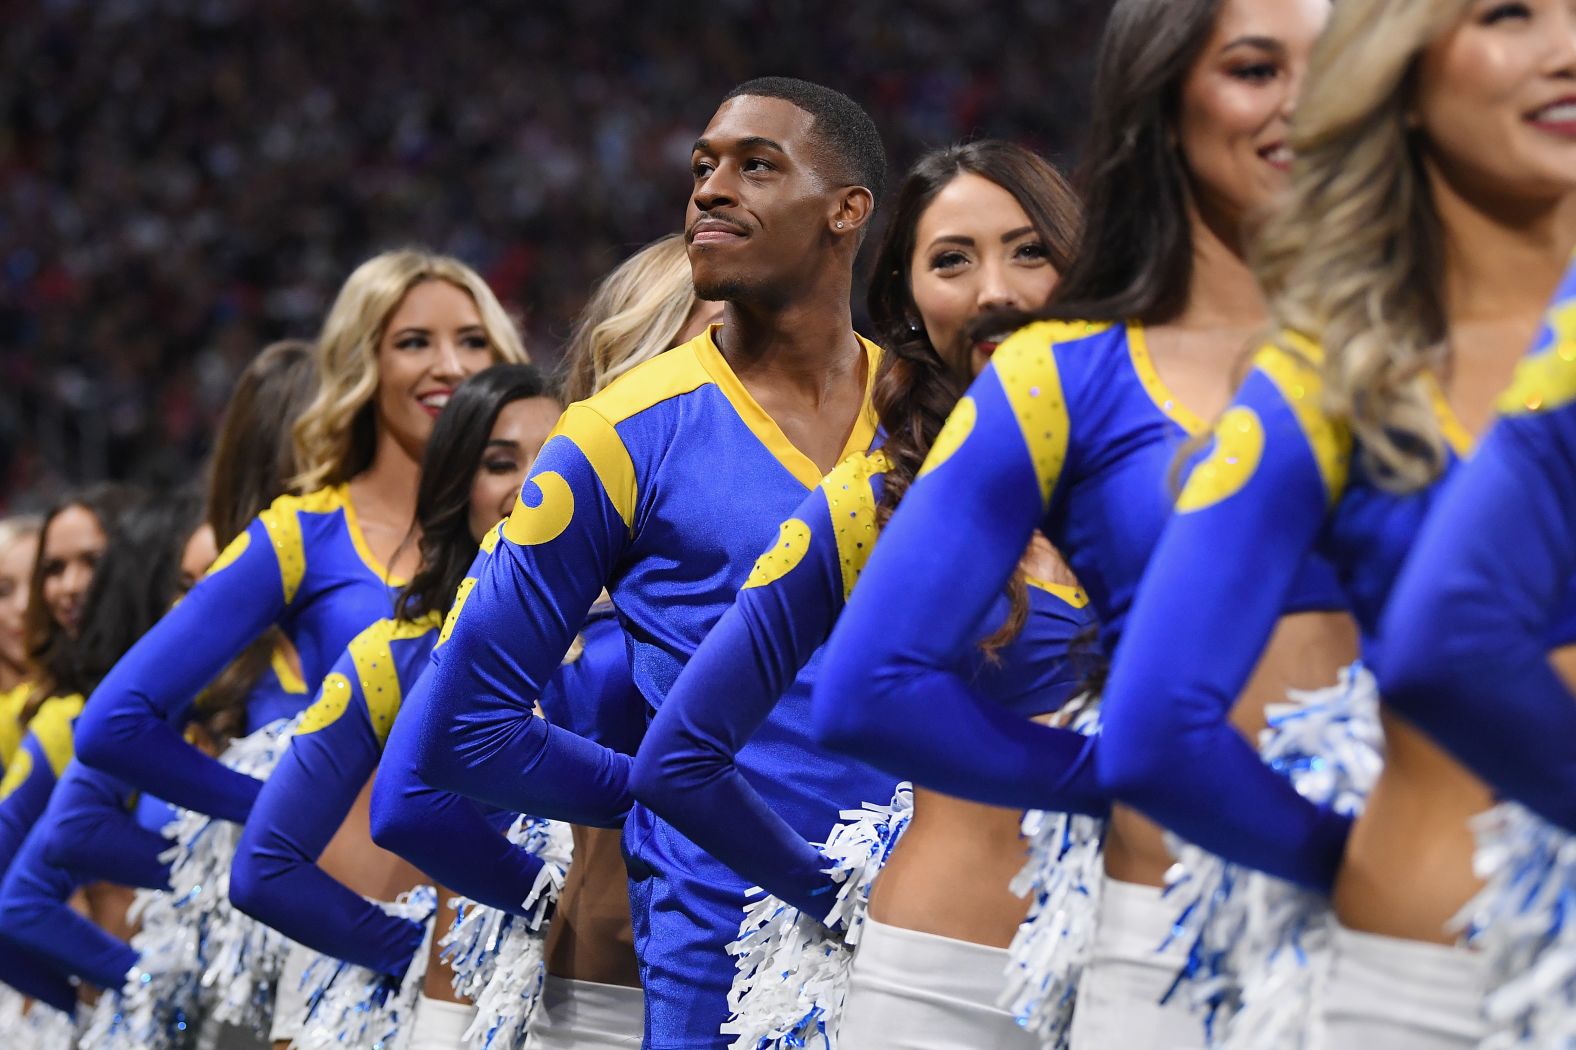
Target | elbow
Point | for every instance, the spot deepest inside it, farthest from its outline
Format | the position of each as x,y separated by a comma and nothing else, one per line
1131,770
93,744
247,885
59,842
658,773
396,828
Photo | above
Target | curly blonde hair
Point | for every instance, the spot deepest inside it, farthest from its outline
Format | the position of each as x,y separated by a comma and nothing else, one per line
334,436
1353,260
635,314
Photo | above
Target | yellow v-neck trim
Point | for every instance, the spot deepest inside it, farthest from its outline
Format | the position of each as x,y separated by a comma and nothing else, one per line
765,428
1456,434
358,539
1155,387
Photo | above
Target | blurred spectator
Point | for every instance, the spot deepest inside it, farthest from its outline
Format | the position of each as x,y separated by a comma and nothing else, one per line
182,181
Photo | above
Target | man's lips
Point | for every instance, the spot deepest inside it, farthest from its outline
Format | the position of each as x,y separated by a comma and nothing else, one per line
716,231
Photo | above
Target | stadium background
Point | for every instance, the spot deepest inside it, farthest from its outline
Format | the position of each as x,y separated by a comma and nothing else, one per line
184,181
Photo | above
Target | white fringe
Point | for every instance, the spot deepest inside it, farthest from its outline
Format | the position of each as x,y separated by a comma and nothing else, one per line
499,959
1257,945
354,1008
40,1027
1524,922
197,952
1063,876
792,969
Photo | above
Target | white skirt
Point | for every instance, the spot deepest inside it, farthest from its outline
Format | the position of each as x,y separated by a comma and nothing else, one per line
439,1024
588,1016
1127,975
918,991
1403,995
289,997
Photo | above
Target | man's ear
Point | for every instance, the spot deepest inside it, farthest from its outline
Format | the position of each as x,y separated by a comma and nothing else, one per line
853,208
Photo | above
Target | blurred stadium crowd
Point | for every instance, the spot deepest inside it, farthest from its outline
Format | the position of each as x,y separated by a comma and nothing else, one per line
182,181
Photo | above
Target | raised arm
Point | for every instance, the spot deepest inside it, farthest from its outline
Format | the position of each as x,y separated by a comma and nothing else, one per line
510,627
132,728
894,688
275,877
1465,639
685,771
1201,619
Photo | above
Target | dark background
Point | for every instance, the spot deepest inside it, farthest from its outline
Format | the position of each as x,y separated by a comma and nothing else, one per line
184,181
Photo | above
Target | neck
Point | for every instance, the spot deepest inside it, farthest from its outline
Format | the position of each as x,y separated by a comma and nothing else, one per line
388,486
11,676
1503,259
1222,291
806,343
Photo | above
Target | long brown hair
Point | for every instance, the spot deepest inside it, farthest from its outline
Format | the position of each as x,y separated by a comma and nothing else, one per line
1135,260
252,463
50,649
915,388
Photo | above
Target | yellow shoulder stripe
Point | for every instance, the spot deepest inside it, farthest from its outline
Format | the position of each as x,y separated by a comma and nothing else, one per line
598,441
231,553
1073,596
665,376
1296,376
373,657
467,585
1028,374
852,505
289,679
1547,380
954,432
52,728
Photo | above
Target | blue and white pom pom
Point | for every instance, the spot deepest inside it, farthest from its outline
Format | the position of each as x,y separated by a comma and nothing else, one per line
1524,922
1258,945
1062,879
38,1027
353,1008
197,952
499,959
792,969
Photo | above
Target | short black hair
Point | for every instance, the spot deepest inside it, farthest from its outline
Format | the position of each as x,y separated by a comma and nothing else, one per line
854,155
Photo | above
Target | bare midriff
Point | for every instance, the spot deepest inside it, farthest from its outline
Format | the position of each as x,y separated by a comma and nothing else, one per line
1306,651
591,938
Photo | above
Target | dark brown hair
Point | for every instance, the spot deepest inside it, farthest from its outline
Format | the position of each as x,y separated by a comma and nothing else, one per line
50,650
443,499
252,463
1135,259
253,455
916,388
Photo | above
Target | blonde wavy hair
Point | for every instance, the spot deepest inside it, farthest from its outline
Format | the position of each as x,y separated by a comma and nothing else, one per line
335,434
1353,260
636,313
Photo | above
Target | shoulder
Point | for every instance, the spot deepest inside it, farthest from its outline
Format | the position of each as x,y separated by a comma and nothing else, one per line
665,377
1545,380
52,728
1279,405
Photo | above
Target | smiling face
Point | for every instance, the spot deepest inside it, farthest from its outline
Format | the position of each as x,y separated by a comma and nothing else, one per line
433,340
16,570
72,546
517,437
1237,101
1496,99
759,211
975,250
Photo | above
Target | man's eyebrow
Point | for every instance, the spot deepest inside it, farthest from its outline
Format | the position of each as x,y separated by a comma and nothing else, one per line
748,142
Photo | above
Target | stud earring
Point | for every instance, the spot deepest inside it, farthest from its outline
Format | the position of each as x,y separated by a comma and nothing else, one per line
839,224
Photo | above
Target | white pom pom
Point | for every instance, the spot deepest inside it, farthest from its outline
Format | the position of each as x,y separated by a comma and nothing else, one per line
1258,946
793,969
1524,922
353,1008
1062,877
499,959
